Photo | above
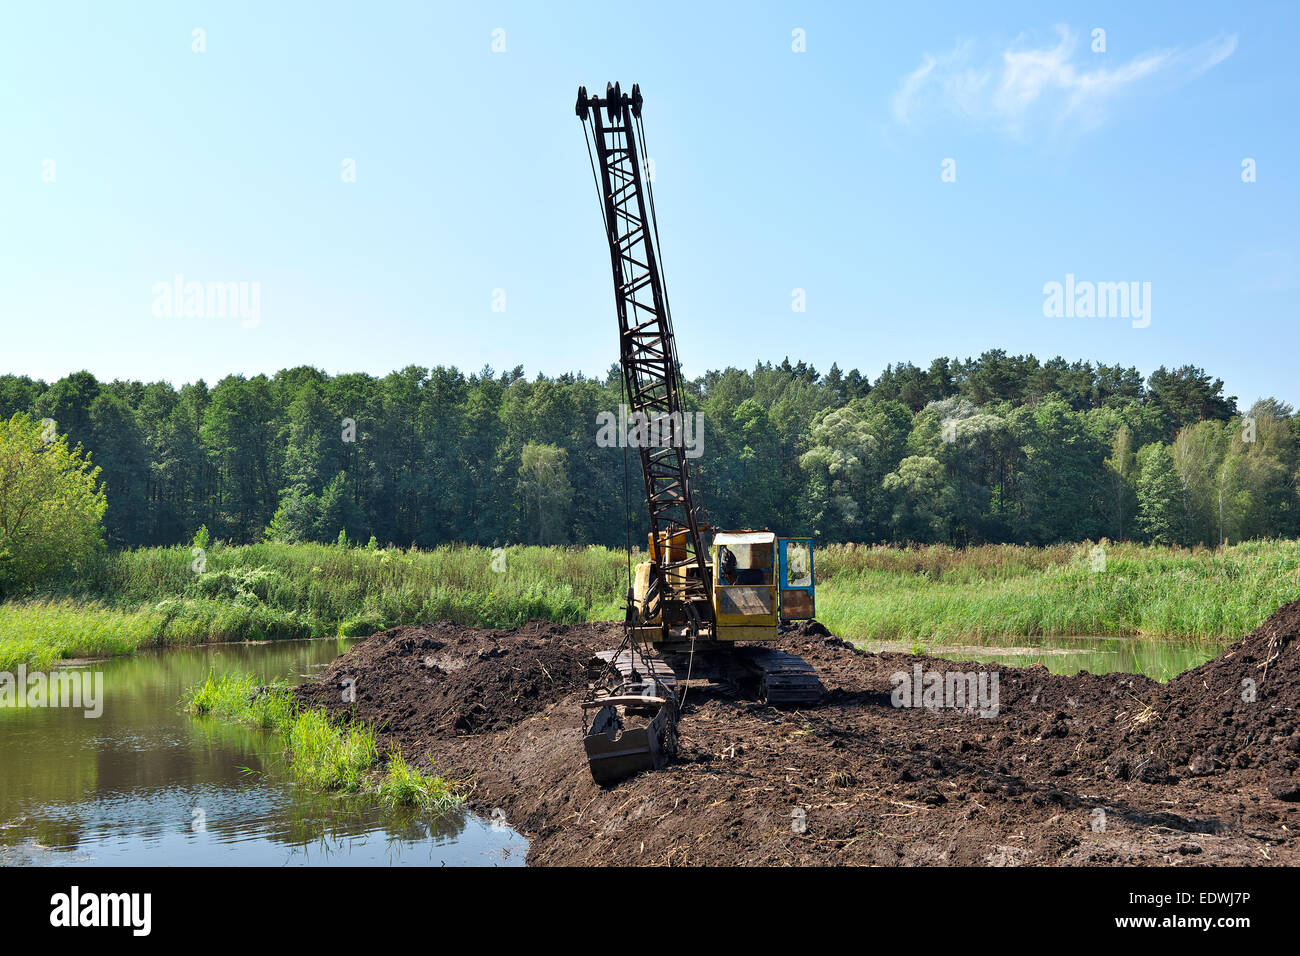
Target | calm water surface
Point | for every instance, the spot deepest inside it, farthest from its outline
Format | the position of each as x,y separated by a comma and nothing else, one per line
148,784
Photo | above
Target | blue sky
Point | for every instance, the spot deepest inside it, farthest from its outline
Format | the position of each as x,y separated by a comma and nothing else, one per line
775,170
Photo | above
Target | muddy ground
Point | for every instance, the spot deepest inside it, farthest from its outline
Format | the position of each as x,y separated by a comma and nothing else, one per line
1076,771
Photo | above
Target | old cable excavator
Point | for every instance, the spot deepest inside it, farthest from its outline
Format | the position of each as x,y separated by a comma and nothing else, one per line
688,609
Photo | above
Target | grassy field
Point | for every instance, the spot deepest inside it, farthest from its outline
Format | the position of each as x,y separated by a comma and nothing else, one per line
323,755
39,633
155,596
991,594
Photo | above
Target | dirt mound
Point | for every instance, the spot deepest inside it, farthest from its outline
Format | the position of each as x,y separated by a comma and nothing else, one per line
1236,711
1028,767
445,679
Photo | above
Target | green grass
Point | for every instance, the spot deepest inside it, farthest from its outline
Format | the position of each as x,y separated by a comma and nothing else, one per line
327,756
325,586
39,633
323,754
155,597
405,786
238,697
986,595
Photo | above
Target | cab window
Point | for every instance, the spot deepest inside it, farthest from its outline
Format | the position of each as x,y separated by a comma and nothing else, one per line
745,564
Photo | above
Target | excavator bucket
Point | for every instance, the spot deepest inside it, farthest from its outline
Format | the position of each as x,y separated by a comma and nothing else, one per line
616,750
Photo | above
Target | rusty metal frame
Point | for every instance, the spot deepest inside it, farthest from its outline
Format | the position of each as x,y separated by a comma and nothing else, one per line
647,346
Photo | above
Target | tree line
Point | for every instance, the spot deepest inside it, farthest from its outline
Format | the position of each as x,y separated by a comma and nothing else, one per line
992,449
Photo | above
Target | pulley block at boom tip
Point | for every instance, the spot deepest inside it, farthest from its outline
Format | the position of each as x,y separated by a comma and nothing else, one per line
614,100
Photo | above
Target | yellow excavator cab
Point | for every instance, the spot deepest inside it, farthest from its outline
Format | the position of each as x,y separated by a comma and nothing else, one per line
746,605
760,580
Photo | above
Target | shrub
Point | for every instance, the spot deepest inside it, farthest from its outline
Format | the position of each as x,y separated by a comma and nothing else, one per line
51,505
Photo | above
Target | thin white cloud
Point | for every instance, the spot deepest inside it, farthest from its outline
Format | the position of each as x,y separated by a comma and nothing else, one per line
1025,86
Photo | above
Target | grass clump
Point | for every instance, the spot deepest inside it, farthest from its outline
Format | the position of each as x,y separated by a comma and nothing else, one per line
333,589
404,786
327,756
323,753
238,697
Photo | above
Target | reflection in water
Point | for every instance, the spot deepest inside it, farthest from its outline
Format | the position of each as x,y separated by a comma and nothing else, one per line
146,783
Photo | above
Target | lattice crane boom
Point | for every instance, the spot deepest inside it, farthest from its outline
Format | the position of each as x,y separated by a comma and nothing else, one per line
647,346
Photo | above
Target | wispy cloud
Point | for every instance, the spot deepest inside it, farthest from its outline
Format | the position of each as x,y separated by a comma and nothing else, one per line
1025,87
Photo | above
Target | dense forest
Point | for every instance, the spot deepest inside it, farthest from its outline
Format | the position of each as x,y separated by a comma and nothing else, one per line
993,449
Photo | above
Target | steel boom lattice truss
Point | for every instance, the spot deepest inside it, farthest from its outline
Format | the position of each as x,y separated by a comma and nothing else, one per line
647,348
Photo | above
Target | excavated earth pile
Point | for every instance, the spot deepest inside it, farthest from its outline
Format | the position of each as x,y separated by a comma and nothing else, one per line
1081,770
